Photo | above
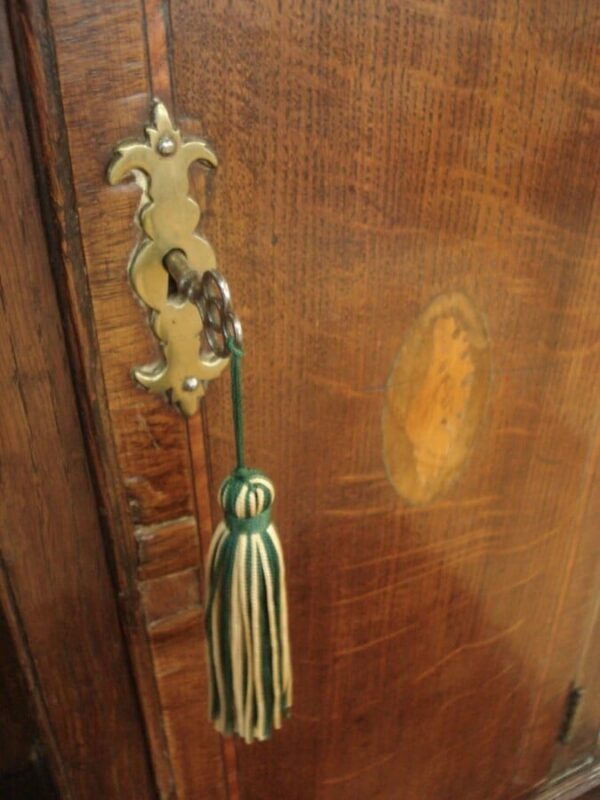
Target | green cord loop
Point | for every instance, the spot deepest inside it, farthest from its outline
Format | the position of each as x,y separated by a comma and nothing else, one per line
249,525
236,399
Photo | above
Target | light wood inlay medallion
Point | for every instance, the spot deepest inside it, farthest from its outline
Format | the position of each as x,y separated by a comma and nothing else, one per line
436,397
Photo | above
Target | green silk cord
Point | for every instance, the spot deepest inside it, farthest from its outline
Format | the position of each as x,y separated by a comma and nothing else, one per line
237,400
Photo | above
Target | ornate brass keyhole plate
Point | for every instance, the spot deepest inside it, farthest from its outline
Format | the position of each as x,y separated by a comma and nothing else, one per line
168,218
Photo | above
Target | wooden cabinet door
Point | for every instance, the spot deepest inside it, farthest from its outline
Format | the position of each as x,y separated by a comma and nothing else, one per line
406,210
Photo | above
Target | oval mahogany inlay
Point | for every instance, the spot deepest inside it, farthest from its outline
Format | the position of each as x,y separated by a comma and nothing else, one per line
435,397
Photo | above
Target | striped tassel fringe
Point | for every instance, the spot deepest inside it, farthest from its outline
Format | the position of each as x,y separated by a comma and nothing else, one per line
246,613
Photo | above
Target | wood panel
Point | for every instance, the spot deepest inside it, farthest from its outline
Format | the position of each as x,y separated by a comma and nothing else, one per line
91,85
24,757
55,591
373,156
585,609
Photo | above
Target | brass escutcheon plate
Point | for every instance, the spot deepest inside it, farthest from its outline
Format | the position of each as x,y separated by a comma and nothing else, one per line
168,218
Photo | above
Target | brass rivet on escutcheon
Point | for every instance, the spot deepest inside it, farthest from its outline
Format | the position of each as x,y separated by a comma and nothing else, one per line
190,384
166,146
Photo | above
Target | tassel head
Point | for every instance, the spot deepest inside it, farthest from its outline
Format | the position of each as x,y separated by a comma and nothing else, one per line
246,612
246,494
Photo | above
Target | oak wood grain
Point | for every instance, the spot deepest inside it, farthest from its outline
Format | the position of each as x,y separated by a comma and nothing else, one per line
140,451
41,89
55,589
373,156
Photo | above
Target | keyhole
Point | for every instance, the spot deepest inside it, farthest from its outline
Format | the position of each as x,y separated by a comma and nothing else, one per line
172,290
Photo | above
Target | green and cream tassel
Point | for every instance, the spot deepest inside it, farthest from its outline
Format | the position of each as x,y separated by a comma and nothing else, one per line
246,604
